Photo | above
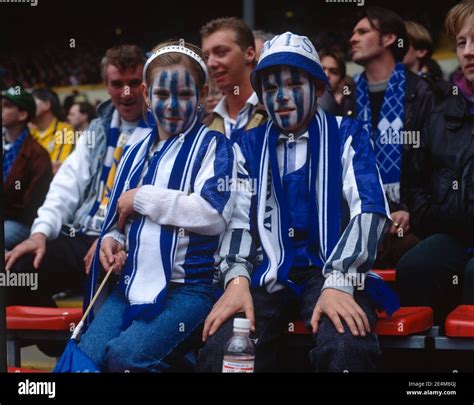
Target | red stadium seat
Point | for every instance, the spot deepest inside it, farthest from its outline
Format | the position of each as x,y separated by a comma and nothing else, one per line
386,274
406,321
38,324
460,322
24,370
42,318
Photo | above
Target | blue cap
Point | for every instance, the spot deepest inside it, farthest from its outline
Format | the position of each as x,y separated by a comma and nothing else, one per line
291,50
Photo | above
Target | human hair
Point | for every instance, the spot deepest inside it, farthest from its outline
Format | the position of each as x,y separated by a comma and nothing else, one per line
420,38
176,58
123,57
338,57
388,22
243,34
88,109
457,15
48,95
263,35
433,68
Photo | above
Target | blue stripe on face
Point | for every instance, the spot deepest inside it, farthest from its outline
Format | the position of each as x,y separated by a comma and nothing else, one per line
297,94
285,120
268,97
187,79
163,79
278,80
174,94
160,105
174,101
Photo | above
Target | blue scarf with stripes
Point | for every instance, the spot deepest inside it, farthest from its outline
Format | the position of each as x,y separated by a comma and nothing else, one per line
273,212
388,140
112,141
145,277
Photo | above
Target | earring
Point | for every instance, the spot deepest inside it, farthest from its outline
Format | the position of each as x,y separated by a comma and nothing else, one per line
199,107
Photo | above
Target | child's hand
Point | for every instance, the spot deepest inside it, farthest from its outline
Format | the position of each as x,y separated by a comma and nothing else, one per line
112,252
125,208
337,305
236,298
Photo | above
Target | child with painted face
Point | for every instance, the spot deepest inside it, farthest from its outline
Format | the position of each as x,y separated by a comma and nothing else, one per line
165,252
317,214
289,96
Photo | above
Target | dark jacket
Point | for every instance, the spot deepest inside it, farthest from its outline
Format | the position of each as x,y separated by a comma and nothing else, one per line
441,175
441,88
28,182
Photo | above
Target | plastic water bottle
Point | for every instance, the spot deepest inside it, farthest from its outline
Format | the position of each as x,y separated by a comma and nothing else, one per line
239,353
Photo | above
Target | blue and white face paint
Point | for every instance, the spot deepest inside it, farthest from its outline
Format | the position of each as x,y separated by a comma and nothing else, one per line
289,96
174,99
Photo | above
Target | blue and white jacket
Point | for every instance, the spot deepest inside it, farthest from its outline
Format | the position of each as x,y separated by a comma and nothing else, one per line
348,210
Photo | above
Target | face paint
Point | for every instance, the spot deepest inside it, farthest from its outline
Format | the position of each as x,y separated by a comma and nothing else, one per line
174,99
289,97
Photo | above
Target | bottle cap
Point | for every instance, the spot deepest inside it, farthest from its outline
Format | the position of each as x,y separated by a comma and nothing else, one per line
242,323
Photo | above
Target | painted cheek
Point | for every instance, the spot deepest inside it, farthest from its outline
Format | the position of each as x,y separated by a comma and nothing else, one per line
269,98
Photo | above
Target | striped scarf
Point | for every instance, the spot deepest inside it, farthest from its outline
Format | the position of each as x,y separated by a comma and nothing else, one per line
10,154
388,145
112,144
152,247
273,212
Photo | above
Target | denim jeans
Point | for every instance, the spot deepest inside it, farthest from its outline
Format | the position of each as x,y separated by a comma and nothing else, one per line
15,232
162,344
332,351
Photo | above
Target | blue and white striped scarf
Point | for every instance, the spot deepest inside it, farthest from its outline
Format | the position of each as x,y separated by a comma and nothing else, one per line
388,147
152,247
325,201
114,134
10,155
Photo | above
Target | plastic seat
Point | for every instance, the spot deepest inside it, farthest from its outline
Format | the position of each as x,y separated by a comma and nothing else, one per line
42,318
406,321
460,322
388,275
24,370
31,325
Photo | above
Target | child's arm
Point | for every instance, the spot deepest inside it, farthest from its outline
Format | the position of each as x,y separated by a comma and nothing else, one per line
208,209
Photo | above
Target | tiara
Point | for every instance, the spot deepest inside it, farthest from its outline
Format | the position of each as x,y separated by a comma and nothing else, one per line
178,49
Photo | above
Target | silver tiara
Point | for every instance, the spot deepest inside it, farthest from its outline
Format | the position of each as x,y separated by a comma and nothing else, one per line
178,49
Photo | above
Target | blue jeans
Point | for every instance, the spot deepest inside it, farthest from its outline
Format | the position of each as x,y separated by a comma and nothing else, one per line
159,345
15,232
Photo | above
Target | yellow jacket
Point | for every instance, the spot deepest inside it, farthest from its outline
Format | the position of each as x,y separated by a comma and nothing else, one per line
58,140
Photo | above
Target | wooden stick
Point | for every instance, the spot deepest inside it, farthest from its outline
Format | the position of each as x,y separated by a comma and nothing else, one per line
78,328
